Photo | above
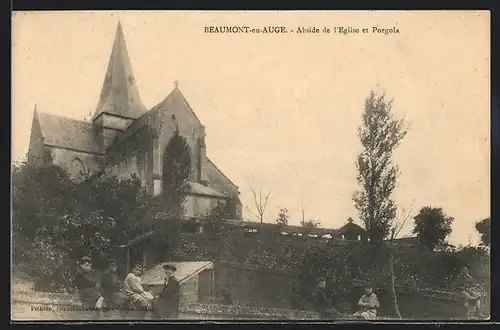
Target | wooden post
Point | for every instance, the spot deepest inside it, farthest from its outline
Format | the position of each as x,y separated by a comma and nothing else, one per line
128,259
393,277
212,286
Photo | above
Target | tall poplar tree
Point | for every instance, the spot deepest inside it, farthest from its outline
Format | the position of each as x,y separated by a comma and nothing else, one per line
380,134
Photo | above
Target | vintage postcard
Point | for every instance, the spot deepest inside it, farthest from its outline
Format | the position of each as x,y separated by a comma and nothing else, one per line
250,165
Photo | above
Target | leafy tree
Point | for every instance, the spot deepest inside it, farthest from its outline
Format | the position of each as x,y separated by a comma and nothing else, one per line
39,199
176,172
168,208
380,135
56,220
432,226
216,230
311,224
483,227
39,196
283,217
338,267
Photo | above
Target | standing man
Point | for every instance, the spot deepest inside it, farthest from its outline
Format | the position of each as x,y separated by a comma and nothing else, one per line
167,303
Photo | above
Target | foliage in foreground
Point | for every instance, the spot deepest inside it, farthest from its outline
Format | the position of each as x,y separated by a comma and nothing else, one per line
414,268
51,230
56,221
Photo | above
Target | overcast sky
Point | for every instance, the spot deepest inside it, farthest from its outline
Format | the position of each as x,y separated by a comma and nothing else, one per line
282,111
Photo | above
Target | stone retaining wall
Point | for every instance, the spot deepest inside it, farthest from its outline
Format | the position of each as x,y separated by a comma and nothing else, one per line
31,305
28,304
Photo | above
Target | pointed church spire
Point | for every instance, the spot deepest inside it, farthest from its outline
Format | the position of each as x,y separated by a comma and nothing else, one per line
119,94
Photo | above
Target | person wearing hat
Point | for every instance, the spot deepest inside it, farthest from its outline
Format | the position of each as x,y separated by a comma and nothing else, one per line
87,282
166,304
132,288
111,290
368,304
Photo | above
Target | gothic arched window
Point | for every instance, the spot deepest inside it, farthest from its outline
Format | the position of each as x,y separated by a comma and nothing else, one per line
78,170
176,165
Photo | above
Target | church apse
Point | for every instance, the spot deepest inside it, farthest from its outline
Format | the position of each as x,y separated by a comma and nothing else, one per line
125,139
179,177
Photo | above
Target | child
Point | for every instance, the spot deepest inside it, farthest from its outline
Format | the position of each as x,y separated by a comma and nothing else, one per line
132,287
368,304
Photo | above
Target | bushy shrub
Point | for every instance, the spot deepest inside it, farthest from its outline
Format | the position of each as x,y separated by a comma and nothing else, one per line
338,267
56,221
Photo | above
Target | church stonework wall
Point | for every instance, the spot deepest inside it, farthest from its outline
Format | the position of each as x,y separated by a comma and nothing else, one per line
117,123
108,127
131,158
197,205
65,159
108,137
171,114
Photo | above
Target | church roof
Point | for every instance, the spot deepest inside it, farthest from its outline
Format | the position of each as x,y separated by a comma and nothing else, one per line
119,94
173,100
177,96
67,132
216,177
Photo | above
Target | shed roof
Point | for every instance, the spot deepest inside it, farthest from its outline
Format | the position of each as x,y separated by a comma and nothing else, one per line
185,270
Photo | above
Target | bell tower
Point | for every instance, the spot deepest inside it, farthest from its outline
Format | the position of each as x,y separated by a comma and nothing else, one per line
119,104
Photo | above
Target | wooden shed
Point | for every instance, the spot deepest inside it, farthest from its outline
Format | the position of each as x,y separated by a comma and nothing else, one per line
196,279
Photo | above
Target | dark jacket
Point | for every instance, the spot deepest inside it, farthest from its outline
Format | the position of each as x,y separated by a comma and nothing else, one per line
88,285
167,304
320,301
111,290
464,281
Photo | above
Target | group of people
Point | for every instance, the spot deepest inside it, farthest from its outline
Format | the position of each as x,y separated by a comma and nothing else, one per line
369,304
104,291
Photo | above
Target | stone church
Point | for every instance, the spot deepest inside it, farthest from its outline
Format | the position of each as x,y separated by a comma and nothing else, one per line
124,138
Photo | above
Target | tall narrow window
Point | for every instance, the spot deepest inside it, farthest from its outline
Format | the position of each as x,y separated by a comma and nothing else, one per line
156,156
78,170
156,187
